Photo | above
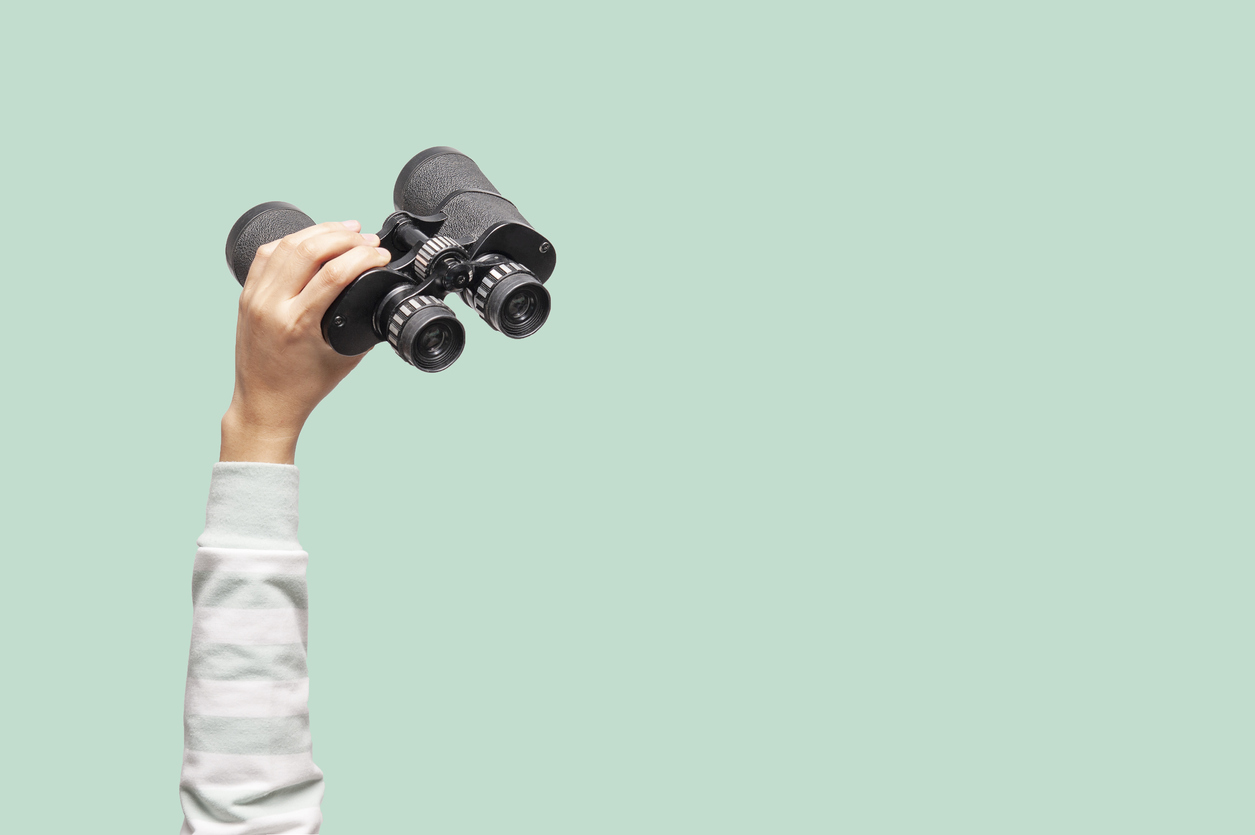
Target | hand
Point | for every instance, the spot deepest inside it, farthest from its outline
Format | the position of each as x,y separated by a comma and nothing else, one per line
283,366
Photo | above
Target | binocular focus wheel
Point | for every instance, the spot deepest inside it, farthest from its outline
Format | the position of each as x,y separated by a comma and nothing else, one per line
433,250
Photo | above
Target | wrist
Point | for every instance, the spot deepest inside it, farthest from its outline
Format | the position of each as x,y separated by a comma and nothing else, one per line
247,437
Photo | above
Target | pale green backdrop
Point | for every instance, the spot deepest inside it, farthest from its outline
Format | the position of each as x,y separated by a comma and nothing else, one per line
885,466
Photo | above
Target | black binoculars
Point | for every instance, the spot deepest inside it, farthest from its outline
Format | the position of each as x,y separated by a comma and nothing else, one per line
452,232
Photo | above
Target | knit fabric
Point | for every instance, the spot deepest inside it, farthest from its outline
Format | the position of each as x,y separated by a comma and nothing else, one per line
248,766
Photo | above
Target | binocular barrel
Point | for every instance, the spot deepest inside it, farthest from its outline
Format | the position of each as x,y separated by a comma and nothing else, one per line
259,226
445,180
453,232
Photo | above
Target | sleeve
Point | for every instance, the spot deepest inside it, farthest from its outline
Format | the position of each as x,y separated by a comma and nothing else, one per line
248,766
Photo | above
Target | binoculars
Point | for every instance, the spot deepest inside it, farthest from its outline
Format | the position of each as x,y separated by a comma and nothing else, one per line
452,232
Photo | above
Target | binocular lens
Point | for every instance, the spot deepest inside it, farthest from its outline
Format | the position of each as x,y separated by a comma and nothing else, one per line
437,340
434,340
422,330
521,305
524,310
511,300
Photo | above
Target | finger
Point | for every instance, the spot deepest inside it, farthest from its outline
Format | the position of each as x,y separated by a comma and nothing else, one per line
337,274
295,262
267,250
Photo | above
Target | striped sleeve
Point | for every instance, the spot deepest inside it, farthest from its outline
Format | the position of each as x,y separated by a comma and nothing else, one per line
248,766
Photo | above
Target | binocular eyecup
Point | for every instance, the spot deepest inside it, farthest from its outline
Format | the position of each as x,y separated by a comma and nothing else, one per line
421,329
452,232
511,300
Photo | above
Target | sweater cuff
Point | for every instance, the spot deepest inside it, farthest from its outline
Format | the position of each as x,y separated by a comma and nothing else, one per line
252,504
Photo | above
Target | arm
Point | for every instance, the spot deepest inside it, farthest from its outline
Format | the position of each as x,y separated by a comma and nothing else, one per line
248,765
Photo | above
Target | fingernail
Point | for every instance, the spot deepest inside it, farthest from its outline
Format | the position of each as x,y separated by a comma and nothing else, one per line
383,251
371,239
352,224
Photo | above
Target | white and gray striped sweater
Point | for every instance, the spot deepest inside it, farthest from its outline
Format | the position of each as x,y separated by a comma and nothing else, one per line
248,766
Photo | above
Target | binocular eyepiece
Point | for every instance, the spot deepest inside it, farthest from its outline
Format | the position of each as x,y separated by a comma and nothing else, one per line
452,232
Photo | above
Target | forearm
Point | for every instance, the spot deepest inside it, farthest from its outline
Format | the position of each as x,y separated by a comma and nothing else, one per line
248,764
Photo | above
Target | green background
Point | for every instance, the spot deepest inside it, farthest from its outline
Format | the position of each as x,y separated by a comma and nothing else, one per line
885,466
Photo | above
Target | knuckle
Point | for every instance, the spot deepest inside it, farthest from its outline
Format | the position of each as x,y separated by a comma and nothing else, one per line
252,310
292,327
332,273
306,251
361,259
304,321
344,269
272,317
268,249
